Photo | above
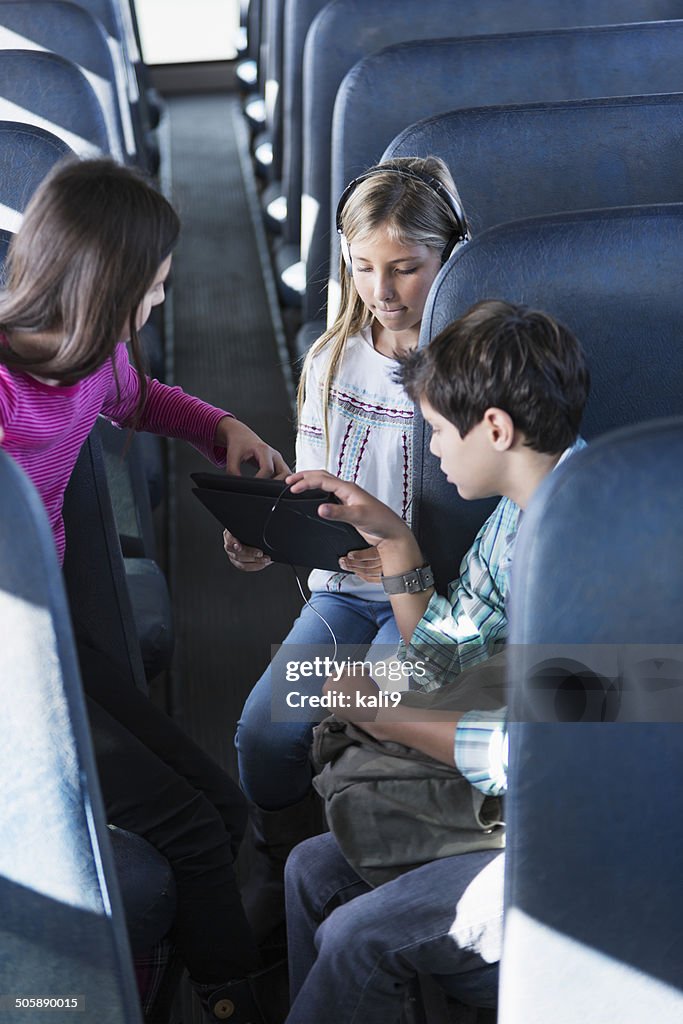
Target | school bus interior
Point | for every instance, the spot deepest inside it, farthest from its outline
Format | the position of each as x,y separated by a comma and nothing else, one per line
561,125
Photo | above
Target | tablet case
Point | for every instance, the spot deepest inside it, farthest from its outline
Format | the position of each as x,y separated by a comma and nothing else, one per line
285,526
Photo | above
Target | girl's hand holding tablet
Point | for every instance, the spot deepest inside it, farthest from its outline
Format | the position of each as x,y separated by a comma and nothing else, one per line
242,557
365,563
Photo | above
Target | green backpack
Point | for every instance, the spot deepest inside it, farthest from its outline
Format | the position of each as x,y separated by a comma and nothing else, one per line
392,808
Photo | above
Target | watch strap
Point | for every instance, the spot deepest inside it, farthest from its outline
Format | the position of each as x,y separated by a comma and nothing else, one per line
412,582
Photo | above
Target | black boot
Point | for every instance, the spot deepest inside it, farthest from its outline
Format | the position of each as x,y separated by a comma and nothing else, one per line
274,835
260,998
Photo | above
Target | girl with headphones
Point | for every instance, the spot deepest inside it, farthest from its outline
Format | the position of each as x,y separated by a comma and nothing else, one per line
398,222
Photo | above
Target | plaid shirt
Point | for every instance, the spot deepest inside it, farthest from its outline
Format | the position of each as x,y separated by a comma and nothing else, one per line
481,750
461,630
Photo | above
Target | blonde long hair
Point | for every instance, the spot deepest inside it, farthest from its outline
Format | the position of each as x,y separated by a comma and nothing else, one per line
414,214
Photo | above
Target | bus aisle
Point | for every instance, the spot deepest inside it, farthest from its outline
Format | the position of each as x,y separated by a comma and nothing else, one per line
224,344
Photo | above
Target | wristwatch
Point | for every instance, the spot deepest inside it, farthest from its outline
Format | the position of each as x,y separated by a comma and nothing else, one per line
412,582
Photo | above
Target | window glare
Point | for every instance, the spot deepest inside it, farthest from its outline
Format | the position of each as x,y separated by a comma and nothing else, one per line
173,32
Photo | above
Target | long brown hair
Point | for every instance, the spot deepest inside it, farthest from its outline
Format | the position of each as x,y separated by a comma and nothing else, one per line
414,214
91,242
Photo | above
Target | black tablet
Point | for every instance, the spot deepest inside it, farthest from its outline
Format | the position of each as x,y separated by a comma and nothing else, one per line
285,526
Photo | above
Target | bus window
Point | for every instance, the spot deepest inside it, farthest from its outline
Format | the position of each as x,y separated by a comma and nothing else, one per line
171,33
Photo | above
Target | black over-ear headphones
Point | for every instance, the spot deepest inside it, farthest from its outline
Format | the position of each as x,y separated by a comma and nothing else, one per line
461,233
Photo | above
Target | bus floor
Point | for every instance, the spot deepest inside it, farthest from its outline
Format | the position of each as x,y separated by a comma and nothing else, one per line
224,349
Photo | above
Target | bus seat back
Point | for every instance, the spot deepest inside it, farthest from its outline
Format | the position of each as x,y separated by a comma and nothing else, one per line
537,159
63,932
345,31
593,894
94,569
375,103
299,16
612,276
45,89
27,153
72,32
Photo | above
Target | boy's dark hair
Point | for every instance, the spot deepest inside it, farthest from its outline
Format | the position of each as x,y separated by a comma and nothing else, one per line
509,357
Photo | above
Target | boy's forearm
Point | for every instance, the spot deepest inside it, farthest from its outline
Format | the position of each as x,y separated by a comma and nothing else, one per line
432,733
400,556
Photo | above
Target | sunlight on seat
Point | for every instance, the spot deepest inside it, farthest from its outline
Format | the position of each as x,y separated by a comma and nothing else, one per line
13,112
256,110
10,40
277,208
10,219
603,988
294,277
310,208
38,764
271,93
264,154
247,73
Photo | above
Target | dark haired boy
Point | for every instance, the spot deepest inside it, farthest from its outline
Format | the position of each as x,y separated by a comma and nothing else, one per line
503,389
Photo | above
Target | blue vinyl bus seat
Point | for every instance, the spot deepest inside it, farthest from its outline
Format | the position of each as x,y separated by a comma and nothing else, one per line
374,105
73,33
524,161
44,89
125,607
593,895
63,929
251,74
111,15
151,100
118,20
246,71
27,153
298,17
347,30
267,144
147,105
613,277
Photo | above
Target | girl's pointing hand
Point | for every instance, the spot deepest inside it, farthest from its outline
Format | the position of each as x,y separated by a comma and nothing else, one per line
243,445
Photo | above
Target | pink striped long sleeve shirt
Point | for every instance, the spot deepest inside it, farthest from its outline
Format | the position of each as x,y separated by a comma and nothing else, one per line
45,425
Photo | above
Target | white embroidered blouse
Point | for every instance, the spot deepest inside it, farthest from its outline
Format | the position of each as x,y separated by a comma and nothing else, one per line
370,424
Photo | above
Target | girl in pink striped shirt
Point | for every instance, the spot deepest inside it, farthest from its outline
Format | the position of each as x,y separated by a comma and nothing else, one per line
84,271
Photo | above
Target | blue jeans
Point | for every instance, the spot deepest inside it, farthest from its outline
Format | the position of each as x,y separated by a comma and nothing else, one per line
274,765
353,949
